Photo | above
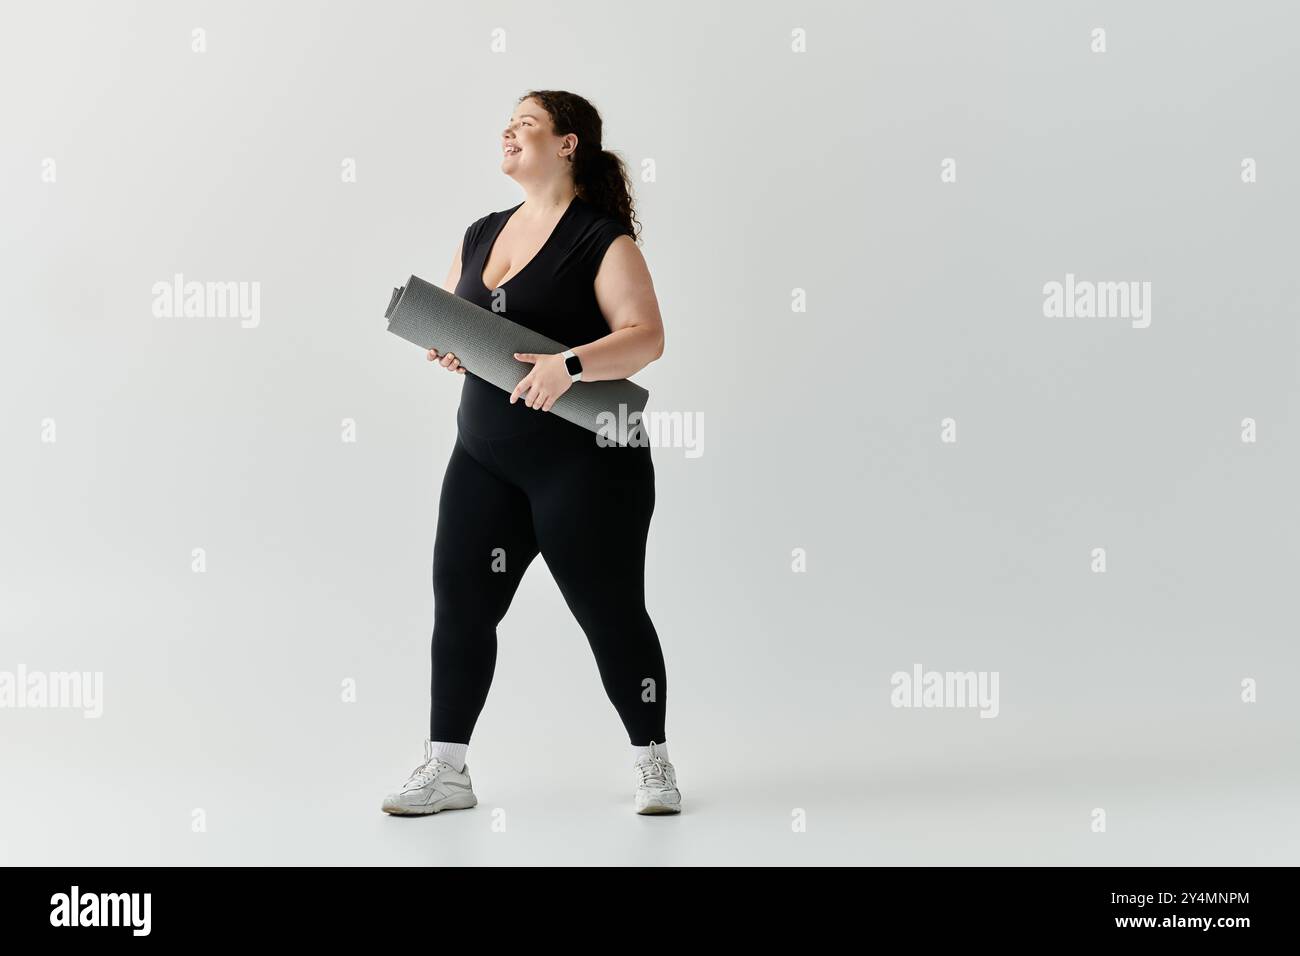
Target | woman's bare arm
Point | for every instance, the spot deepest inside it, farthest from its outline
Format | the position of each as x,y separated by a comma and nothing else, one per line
626,296
453,274
449,361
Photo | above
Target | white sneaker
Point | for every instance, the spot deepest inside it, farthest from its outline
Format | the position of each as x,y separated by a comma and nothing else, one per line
434,785
656,784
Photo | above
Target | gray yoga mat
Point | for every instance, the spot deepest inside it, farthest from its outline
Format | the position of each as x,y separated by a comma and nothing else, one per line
485,342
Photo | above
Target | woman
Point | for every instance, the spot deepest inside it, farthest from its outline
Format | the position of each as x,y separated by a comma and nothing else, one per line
521,480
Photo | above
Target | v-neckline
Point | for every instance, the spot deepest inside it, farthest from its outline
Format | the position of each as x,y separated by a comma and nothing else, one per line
488,255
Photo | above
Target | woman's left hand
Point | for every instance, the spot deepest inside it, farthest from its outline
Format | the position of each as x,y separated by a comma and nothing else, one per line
548,380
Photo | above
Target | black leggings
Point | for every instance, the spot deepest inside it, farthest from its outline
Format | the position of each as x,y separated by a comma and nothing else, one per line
587,508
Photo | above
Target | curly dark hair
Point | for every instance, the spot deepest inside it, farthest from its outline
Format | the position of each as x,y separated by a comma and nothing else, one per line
599,176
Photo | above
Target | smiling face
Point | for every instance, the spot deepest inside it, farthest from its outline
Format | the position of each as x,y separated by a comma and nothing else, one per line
530,150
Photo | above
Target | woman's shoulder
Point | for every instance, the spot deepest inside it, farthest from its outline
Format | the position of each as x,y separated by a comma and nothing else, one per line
475,228
596,230
594,218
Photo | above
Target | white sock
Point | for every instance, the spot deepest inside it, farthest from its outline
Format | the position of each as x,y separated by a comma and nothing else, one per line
660,748
454,754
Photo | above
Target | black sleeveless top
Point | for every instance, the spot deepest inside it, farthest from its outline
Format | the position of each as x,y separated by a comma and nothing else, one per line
553,294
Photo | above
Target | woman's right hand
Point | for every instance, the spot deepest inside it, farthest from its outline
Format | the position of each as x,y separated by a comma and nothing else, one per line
448,361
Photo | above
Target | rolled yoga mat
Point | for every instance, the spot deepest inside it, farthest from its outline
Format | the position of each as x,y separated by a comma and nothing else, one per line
485,343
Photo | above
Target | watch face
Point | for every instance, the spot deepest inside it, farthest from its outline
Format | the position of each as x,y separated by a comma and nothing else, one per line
573,364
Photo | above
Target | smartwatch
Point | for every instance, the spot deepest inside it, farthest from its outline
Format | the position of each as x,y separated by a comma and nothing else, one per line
573,364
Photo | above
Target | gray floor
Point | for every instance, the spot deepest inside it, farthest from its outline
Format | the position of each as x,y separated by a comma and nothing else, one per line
1231,806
